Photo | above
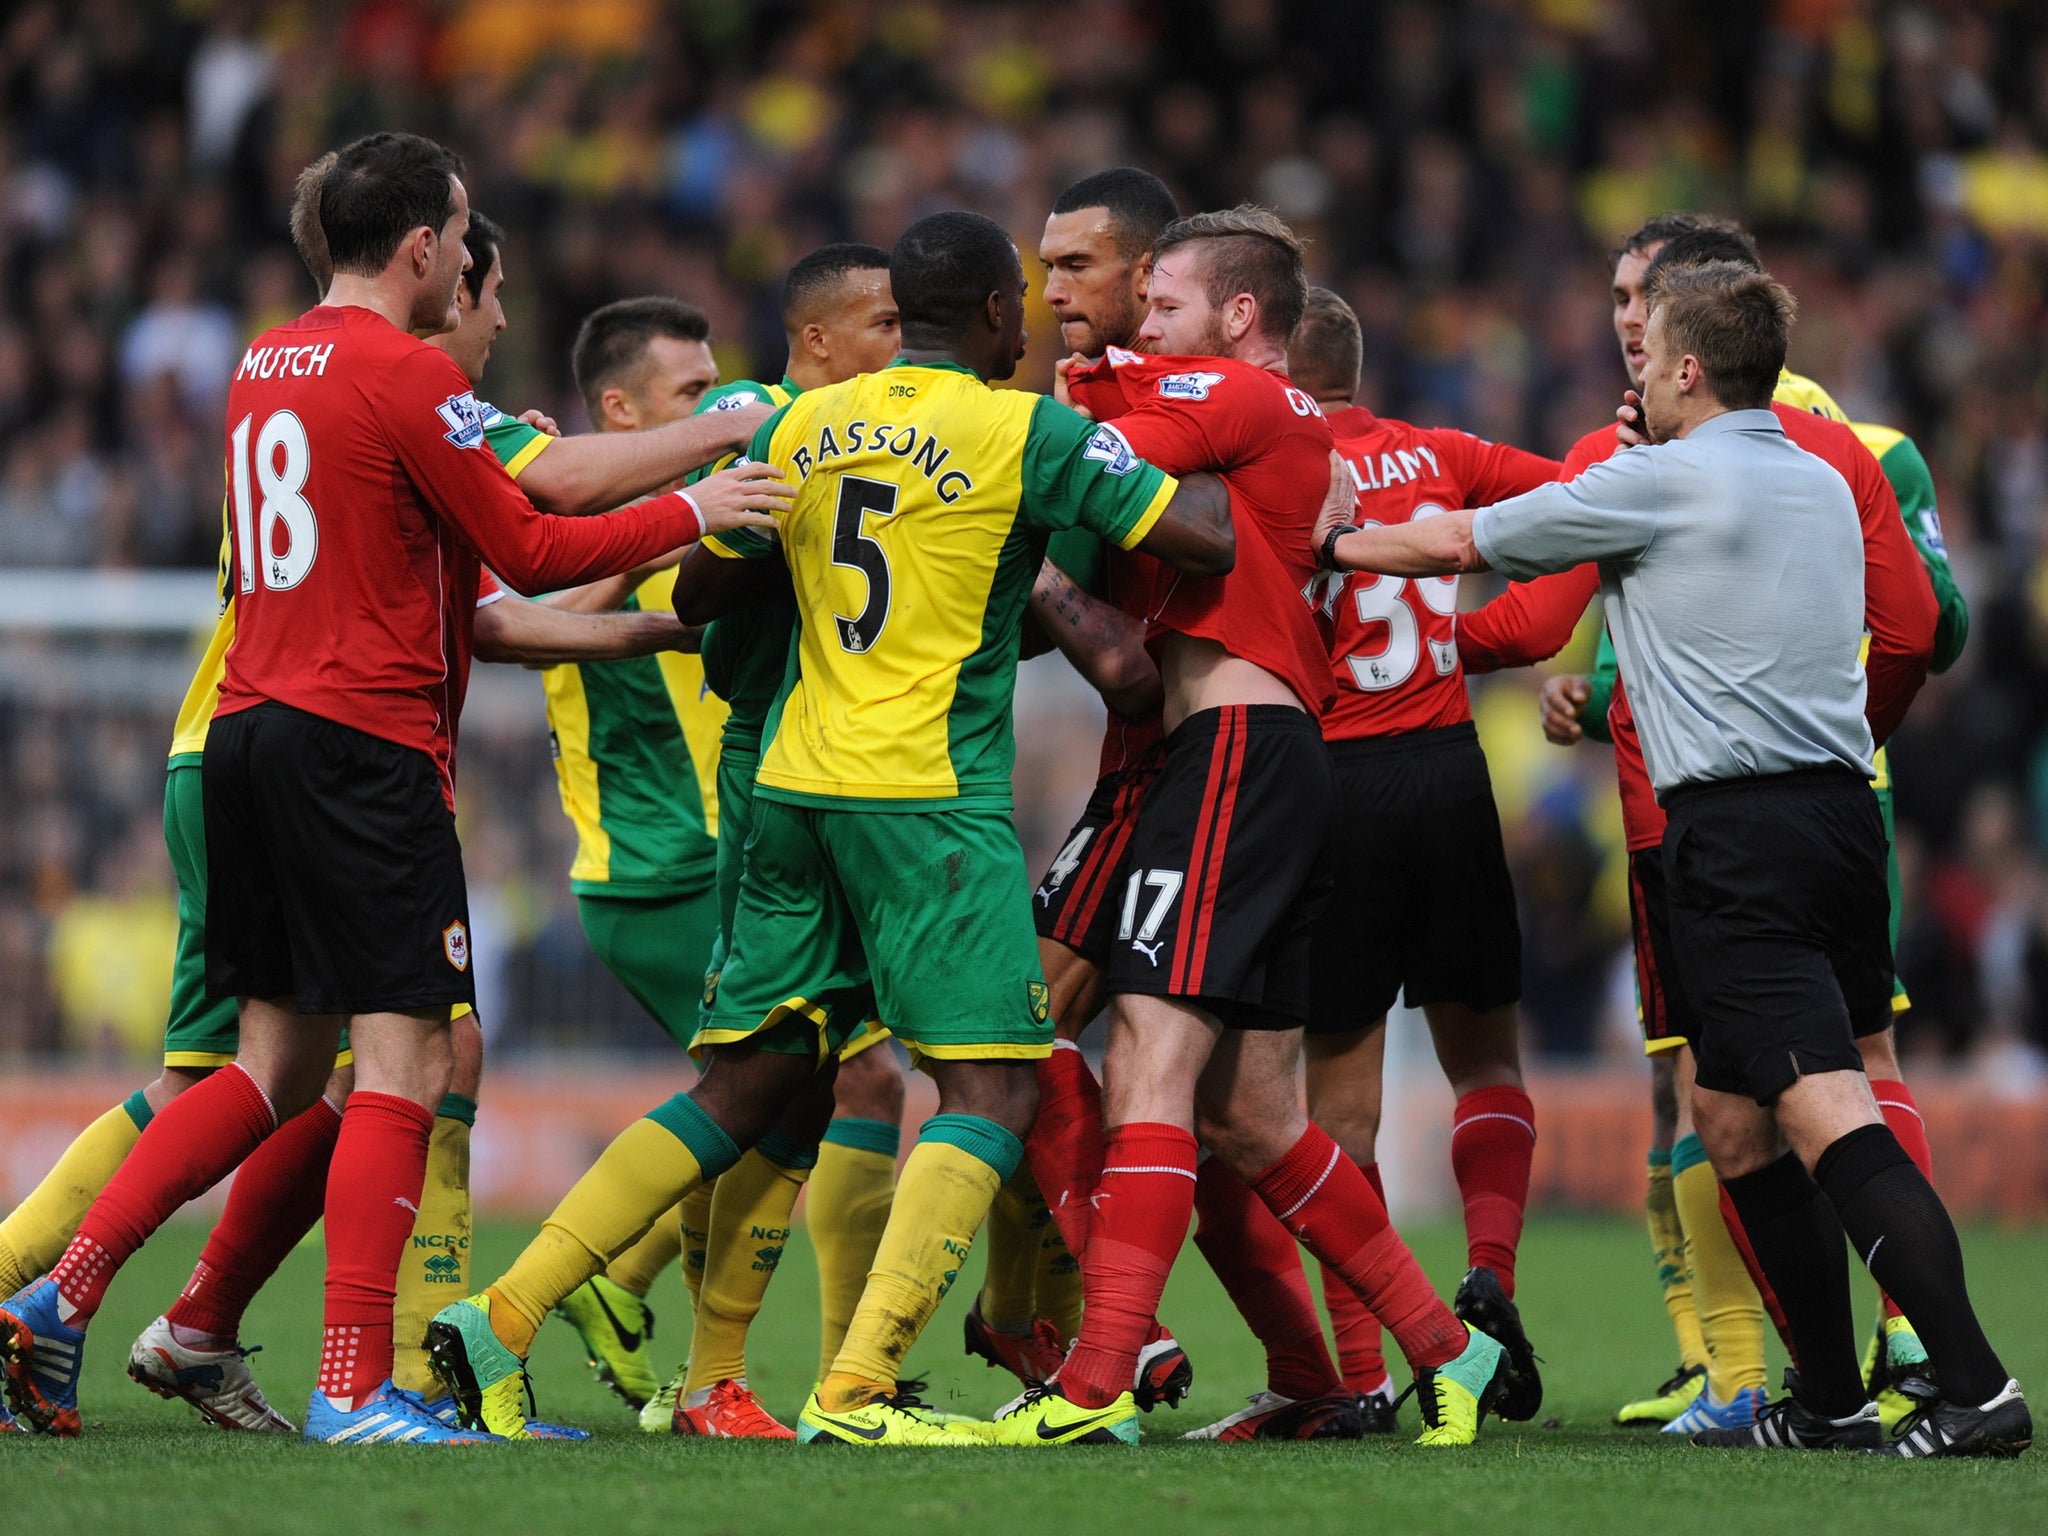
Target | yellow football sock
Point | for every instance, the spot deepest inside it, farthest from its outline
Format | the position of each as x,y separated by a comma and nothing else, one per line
1667,1242
693,1231
845,1214
1730,1311
750,1215
1009,1285
952,1175
1059,1278
651,1165
35,1234
641,1265
435,1269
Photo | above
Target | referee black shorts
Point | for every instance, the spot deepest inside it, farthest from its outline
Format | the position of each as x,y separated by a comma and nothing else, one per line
1421,900
1780,925
333,871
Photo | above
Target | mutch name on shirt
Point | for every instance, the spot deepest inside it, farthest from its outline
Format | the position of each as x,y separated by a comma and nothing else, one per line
278,362
907,442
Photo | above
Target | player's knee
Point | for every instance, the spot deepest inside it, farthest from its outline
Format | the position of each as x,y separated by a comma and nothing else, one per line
870,1086
1477,1050
466,1045
171,1082
1881,1057
1005,1092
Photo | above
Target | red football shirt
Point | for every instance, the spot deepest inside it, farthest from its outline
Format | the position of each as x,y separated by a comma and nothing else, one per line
1270,444
362,493
1532,620
1395,650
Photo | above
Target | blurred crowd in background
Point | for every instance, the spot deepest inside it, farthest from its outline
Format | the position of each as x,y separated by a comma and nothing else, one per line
1463,170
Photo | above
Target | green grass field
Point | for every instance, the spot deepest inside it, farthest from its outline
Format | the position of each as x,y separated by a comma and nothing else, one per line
1590,1304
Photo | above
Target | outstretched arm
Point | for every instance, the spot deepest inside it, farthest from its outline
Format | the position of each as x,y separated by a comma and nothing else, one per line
513,630
596,471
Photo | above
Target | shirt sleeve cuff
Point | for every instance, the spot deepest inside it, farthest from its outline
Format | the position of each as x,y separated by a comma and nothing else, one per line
526,455
1152,513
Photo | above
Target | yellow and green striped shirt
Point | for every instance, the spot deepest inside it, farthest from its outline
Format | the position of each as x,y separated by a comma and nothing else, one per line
923,506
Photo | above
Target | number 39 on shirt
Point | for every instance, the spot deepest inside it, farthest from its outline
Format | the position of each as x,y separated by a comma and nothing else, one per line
1389,601
275,529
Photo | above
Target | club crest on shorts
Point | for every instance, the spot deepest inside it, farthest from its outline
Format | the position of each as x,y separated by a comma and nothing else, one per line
1041,1000
455,945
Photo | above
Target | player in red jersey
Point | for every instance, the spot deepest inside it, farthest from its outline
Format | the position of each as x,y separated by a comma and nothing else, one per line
1207,973
337,891
1718,1312
1421,893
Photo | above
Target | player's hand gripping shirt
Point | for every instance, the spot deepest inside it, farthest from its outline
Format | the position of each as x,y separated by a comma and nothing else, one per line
924,502
515,444
1269,442
362,493
1395,646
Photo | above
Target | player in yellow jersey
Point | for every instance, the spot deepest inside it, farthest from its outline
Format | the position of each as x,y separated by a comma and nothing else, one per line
882,825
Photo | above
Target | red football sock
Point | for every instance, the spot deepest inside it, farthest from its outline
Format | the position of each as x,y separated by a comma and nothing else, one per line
1066,1143
1361,1356
1895,1101
1142,1207
373,1198
1493,1139
1321,1197
1260,1266
194,1142
1756,1274
277,1196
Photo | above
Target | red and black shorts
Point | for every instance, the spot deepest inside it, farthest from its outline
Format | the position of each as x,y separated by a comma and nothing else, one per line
1667,1017
1421,901
1220,886
1075,904
333,871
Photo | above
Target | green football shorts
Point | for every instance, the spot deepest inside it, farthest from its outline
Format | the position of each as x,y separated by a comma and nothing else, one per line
201,1032
659,948
921,916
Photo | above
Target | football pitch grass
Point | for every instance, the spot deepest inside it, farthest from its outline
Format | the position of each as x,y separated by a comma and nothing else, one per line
1586,1291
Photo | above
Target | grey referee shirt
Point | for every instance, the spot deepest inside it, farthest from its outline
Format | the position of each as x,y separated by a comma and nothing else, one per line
1731,561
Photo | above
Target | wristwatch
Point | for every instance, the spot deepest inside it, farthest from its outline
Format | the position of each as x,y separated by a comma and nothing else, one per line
1326,557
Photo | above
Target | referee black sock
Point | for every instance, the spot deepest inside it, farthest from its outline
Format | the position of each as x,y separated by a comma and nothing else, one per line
1798,1243
1902,1231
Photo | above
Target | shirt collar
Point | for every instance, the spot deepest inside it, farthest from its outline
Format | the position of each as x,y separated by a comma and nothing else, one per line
943,367
1762,419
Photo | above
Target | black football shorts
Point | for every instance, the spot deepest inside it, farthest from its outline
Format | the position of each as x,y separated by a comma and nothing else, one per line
334,874
1220,885
1421,901
1780,925
1075,903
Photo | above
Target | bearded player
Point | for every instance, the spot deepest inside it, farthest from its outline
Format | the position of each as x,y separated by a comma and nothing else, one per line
1422,899
1216,893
